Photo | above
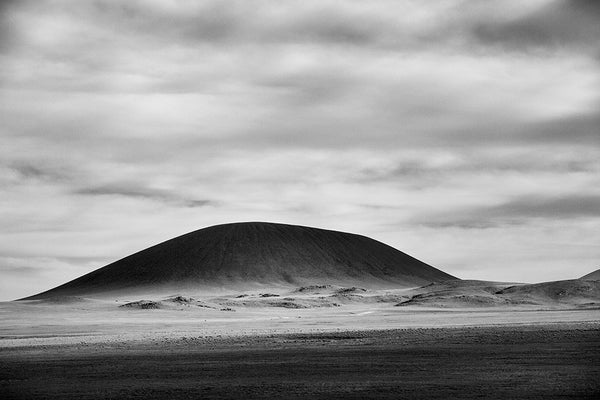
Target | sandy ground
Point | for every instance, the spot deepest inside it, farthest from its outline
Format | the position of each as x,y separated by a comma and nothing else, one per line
517,361
32,323
264,346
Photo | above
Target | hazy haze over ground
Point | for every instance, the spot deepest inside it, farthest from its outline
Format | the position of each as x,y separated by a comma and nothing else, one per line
464,134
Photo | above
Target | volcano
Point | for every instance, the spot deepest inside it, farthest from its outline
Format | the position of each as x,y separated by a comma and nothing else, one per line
254,254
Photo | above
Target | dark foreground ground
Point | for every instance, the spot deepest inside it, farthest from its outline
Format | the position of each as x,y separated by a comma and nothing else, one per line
525,362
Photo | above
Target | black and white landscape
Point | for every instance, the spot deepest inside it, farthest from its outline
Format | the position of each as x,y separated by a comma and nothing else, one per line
382,199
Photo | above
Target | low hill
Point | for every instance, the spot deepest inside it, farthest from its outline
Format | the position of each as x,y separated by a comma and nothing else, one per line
255,253
592,276
574,293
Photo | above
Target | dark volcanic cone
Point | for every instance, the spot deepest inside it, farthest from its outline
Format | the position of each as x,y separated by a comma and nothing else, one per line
255,253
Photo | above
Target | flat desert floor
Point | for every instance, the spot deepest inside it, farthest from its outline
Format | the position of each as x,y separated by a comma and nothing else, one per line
90,349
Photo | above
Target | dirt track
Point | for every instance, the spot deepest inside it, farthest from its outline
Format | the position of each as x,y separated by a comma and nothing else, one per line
552,361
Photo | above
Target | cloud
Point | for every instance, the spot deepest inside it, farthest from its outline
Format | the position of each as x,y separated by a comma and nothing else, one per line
131,190
23,170
582,129
554,26
24,276
385,118
562,207
164,72
519,211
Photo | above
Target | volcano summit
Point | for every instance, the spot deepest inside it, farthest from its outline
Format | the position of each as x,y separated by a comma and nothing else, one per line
255,254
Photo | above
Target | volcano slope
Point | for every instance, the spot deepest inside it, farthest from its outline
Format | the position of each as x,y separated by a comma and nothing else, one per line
254,254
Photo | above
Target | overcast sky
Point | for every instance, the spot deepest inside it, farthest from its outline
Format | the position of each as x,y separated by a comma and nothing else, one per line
465,133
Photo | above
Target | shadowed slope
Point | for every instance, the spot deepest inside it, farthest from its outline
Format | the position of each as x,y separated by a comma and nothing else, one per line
592,276
574,293
242,254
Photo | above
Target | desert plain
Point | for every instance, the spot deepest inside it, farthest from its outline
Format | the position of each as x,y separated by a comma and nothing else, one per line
457,339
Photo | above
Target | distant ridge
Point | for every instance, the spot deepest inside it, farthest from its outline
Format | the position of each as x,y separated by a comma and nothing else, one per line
255,253
592,276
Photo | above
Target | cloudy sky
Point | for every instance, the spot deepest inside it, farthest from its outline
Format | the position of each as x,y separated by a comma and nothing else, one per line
464,133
